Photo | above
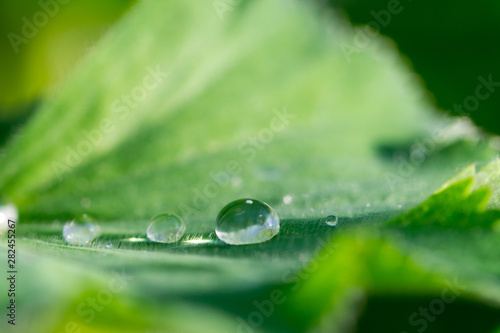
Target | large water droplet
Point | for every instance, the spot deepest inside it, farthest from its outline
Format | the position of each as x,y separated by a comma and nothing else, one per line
247,221
81,230
7,212
332,220
166,228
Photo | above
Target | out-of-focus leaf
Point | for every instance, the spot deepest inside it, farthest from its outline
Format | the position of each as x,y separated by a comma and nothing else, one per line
218,88
41,43
419,259
456,205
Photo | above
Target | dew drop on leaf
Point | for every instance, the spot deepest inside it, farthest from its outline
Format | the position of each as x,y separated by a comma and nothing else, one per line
247,221
80,231
332,220
166,228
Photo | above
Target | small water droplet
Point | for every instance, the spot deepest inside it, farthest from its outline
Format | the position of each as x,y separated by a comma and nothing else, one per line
368,205
85,202
166,228
287,199
332,220
399,206
81,230
247,221
109,246
7,212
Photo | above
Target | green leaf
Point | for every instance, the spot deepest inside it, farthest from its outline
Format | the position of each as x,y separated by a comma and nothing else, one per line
417,253
215,101
456,204
260,104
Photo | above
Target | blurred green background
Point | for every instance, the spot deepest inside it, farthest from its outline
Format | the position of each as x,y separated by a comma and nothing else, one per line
41,43
450,46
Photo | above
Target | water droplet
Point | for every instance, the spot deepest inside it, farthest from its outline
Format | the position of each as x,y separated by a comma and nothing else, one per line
166,228
287,199
332,220
109,246
85,202
80,231
247,221
399,206
368,205
7,212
